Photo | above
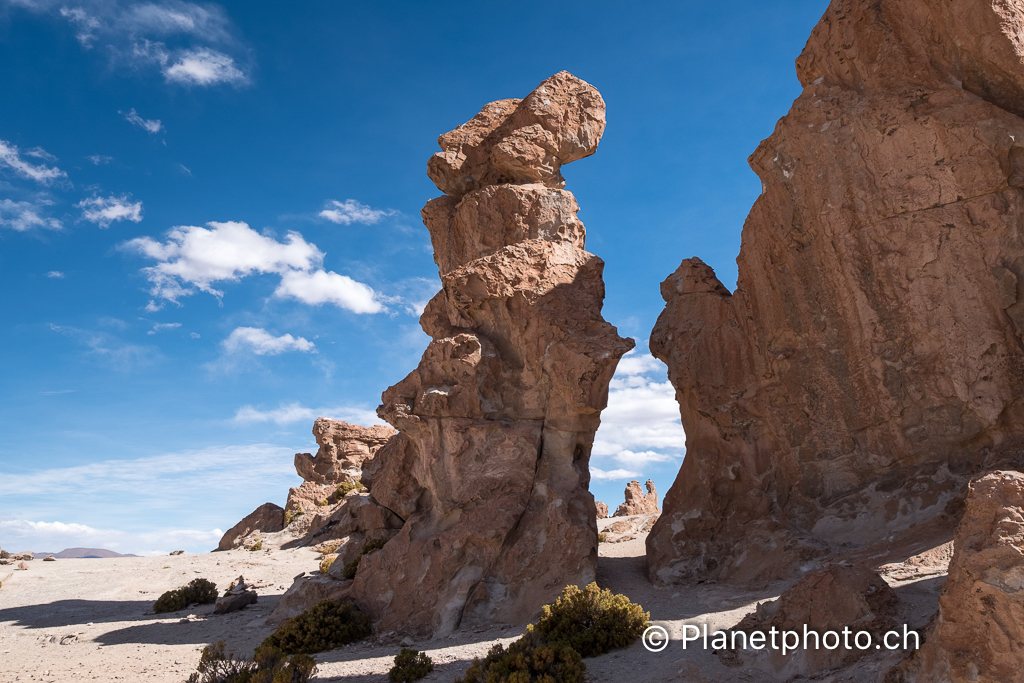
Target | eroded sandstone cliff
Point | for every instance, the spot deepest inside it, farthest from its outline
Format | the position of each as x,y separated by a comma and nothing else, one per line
870,359
489,470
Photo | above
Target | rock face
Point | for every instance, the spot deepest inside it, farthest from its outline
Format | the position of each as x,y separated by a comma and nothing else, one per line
602,509
870,359
489,471
637,502
978,634
829,599
267,518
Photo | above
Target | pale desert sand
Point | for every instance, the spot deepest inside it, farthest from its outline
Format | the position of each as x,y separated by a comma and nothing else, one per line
92,619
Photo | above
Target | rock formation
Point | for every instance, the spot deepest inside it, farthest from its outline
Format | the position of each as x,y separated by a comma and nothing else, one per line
602,509
978,634
829,599
489,471
344,449
870,359
237,596
267,518
637,502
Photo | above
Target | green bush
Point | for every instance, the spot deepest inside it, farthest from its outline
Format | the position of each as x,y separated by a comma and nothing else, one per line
269,665
527,661
591,621
410,665
258,545
375,544
292,515
326,563
350,569
344,488
325,626
602,537
198,591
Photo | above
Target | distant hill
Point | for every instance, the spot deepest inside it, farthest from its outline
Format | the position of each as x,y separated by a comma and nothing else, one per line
82,553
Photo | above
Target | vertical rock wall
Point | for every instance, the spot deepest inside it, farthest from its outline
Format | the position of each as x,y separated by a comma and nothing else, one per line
489,470
871,356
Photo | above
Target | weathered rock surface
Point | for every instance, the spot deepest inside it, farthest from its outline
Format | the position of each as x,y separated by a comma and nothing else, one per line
638,502
830,599
343,450
978,633
870,359
602,510
238,596
266,518
489,471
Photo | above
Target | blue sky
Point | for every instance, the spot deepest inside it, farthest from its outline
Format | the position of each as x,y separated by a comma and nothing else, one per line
210,234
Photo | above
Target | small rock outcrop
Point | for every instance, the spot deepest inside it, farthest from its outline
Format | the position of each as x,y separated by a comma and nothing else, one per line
267,518
830,599
489,471
638,502
978,633
602,510
870,359
237,596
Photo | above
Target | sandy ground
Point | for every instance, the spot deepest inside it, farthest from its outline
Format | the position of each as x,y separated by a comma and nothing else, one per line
92,620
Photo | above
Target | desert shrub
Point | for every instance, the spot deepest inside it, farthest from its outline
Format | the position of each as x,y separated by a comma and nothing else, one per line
325,626
350,569
602,537
410,665
269,665
527,660
591,621
257,545
326,563
198,591
346,486
375,544
329,547
292,515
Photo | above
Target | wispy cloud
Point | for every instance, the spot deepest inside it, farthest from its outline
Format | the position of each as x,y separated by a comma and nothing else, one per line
148,125
109,351
261,343
99,159
350,211
160,327
195,258
11,158
25,216
204,67
55,274
189,43
294,412
126,501
105,210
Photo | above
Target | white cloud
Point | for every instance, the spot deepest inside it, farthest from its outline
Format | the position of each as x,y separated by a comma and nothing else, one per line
322,287
11,158
198,257
160,327
137,34
194,335
57,536
262,343
350,211
148,125
294,412
640,427
204,67
24,216
202,490
185,170
99,159
105,210
612,475
55,274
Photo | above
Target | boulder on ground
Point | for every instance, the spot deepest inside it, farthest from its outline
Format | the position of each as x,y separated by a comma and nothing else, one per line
237,596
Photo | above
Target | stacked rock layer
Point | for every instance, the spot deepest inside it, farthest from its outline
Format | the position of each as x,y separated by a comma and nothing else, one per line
489,470
871,357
